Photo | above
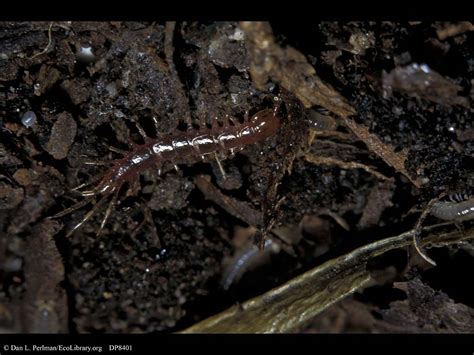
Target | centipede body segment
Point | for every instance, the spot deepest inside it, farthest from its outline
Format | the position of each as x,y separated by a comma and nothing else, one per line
173,147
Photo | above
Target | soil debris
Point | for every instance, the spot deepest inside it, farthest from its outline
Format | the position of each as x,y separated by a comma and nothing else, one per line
419,80
62,136
44,307
453,29
347,166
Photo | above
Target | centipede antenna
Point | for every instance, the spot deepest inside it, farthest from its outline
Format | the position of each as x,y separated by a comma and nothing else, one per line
220,165
112,203
88,215
73,208
141,131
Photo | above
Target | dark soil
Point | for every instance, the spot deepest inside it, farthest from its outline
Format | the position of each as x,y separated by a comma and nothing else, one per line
157,264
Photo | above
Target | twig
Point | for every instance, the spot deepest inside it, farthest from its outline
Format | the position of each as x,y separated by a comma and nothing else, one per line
342,164
178,85
416,235
287,307
47,46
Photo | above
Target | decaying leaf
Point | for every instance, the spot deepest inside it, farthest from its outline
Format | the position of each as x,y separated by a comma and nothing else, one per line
290,68
287,307
384,151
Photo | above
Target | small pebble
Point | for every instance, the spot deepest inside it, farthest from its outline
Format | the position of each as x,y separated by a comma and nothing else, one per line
28,119
86,55
62,136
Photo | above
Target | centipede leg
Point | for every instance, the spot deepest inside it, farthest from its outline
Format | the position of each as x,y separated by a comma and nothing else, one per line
100,189
86,184
112,203
73,207
220,165
88,215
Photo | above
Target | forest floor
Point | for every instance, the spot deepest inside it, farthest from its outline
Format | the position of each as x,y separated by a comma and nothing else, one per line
376,121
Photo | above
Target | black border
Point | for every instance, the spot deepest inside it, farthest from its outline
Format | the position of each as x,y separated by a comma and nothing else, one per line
463,343
314,10
293,10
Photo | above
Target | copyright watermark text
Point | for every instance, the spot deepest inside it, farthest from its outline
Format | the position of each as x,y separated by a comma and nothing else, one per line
60,347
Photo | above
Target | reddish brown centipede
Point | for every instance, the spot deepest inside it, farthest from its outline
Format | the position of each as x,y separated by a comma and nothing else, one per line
173,147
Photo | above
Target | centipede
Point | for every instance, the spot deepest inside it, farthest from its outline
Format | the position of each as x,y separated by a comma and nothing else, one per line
457,208
225,136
